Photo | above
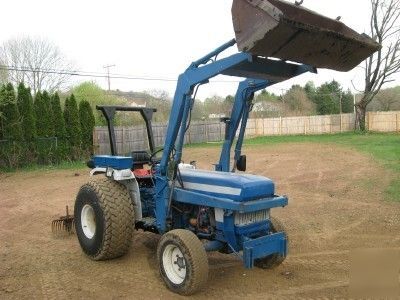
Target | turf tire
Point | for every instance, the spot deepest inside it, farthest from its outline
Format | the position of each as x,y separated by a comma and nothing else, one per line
114,219
196,261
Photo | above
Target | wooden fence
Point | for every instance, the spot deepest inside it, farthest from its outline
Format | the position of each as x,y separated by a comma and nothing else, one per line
384,121
135,138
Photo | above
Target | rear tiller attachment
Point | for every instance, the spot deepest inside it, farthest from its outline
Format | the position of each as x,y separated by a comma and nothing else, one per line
63,225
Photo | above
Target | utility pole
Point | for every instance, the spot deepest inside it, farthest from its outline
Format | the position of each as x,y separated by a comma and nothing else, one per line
108,75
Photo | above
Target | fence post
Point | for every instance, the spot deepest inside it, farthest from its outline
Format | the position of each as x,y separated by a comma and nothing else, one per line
263,122
189,137
123,140
96,141
206,131
280,125
369,121
341,123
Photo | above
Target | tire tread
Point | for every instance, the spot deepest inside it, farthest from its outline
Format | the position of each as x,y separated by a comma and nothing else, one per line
118,213
197,256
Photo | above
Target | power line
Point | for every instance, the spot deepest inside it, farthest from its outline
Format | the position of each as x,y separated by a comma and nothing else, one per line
99,75
109,76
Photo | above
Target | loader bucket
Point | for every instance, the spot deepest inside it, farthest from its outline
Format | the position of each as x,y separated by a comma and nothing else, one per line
276,28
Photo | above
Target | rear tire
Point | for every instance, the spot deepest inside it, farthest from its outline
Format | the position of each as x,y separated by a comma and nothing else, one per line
104,219
274,260
182,261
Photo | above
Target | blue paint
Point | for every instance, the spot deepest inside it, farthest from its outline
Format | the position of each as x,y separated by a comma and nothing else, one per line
115,162
238,187
201,199
225,190
262,247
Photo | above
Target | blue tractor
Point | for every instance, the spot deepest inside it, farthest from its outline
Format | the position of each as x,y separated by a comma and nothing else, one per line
194,210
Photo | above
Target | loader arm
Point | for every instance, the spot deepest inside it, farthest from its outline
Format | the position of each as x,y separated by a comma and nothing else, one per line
240,113
262,71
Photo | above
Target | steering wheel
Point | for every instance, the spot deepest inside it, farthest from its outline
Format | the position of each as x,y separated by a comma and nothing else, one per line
153,158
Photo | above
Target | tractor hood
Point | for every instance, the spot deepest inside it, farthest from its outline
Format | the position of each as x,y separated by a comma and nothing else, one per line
238,187
275,28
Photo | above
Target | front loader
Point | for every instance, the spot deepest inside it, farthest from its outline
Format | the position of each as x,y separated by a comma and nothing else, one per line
225,210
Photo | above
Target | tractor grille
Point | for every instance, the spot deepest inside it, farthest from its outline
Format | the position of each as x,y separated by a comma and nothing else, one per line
252,217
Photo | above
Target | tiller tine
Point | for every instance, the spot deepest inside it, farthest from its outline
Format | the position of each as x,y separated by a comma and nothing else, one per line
63,225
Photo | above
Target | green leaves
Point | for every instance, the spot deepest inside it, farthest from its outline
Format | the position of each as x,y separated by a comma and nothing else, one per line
11,121
87,124
58,118
43,112
39,131
72,122
25,106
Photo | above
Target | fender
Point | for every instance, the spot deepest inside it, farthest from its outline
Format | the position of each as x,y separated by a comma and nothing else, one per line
127,178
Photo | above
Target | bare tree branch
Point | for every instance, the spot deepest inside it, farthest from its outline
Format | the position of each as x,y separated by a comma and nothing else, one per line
381,66
34,56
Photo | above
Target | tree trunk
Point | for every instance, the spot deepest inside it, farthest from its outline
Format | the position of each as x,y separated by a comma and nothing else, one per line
361,112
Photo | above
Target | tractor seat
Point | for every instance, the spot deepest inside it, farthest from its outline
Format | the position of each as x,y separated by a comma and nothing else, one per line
140,158
238,187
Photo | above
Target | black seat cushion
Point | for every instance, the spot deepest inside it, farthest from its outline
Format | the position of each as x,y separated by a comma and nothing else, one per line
140,157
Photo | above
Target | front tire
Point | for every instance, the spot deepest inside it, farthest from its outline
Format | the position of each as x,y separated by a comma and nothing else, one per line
182,261
104,219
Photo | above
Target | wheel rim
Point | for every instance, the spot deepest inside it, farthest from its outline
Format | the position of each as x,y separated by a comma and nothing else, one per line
174,264
88,221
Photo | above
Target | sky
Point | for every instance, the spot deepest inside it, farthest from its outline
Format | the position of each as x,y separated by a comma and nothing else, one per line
157,38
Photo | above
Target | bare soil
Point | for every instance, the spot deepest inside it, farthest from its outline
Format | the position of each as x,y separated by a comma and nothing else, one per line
336,205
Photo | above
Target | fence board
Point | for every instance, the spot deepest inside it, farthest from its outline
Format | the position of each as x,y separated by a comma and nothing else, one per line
135,138
383,121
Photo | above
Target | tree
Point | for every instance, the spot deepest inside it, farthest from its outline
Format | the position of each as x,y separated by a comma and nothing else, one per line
3,74
381,66
297,101
330,98
49,113
2,105
44,125
386,100
37,62
87,125
266,96
310,89
347,102
11,128
93,93
25,106
230,100
58,118
216,106
72,123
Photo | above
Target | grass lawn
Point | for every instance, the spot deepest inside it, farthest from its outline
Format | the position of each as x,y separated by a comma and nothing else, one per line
62,166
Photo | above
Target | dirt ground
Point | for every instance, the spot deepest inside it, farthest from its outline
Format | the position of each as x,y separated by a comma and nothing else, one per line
335,206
